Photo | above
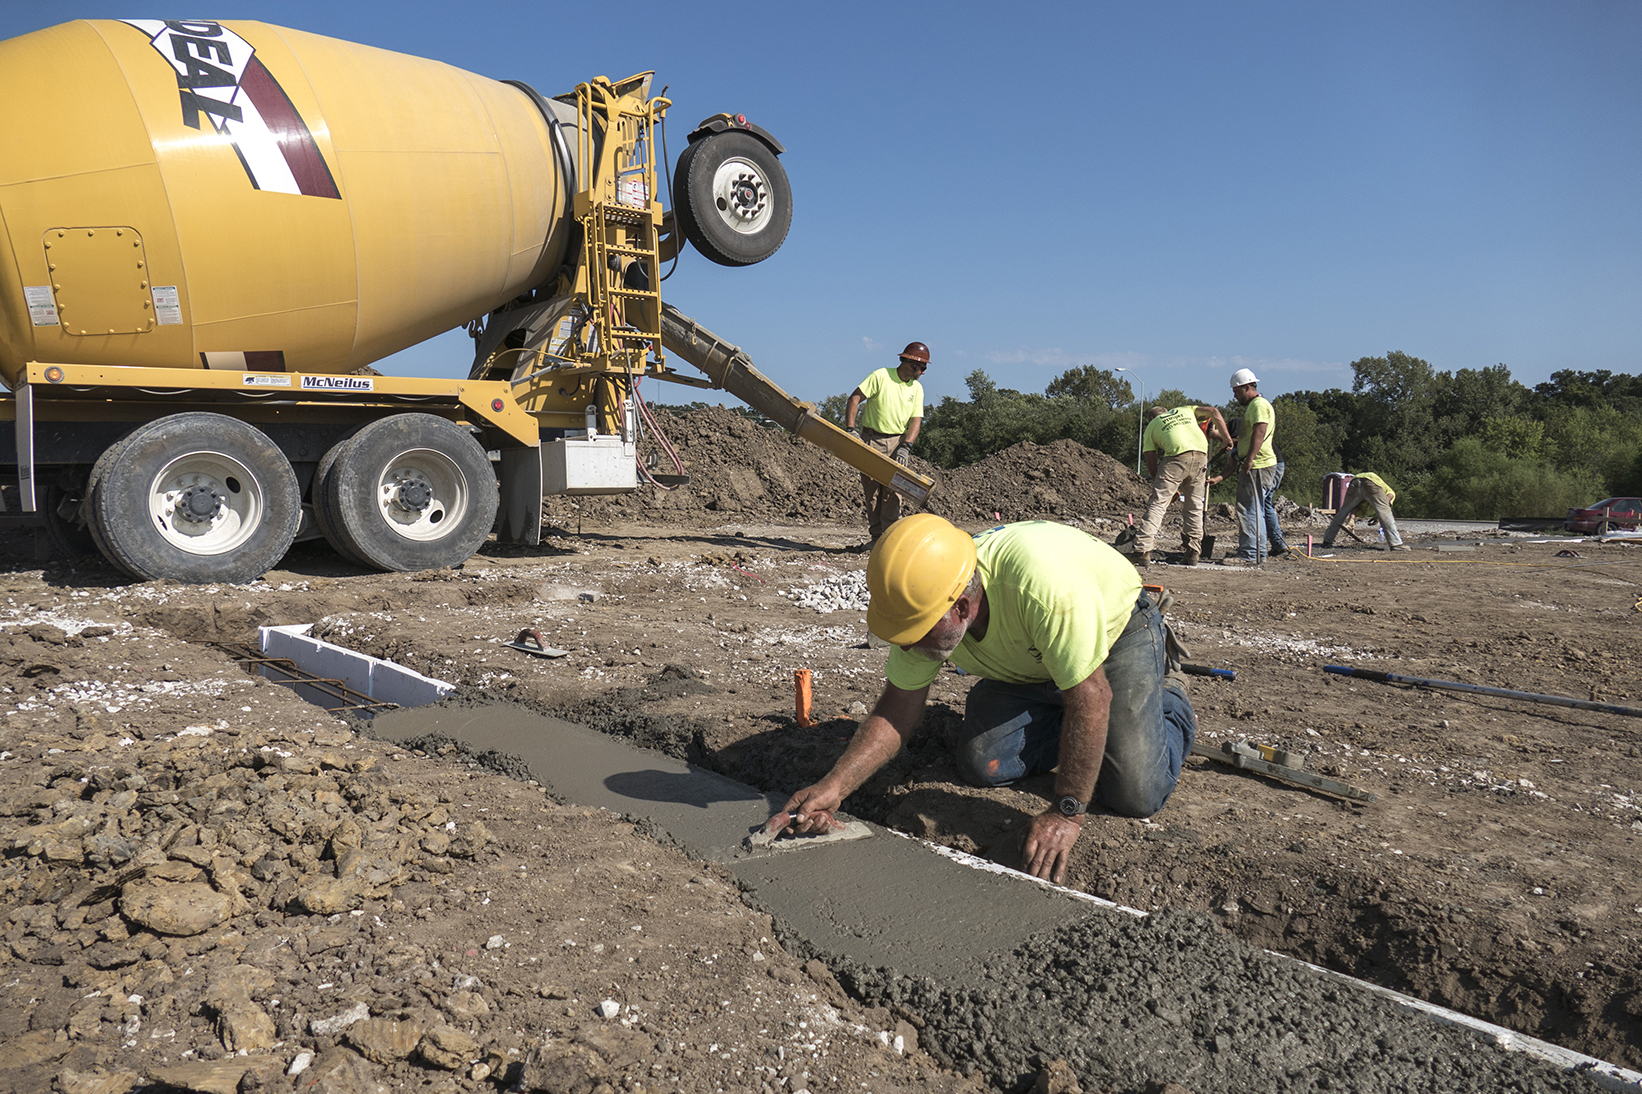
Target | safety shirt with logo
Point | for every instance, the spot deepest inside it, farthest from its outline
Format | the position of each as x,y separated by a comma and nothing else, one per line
1057,600
891,402
1175,431
1259,410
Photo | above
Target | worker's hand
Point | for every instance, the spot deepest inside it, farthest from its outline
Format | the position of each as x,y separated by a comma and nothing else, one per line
812,809
1046,845
903,452
854,431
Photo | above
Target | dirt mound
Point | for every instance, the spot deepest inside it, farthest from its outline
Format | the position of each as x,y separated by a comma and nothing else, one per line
740,470
1059,481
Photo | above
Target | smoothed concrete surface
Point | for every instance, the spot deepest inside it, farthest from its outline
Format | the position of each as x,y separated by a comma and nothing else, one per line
883,901
1009,973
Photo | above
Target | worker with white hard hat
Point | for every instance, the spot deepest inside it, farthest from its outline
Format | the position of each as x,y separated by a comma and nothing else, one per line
1256,467
1074,662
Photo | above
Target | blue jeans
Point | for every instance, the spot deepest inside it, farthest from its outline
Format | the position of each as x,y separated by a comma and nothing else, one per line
1274,534
1252,489
1013,730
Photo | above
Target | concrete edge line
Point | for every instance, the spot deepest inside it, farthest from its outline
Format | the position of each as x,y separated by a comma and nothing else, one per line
395,683
1606,1075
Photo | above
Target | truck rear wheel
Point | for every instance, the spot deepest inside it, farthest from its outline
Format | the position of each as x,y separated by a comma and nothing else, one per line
324,500
194,497
410,492
734,200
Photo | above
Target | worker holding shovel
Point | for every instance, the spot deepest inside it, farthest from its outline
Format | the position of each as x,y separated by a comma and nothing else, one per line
1185,449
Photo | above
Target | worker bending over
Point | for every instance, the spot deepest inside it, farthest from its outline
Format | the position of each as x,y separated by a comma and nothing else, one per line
1367,489
1072,657
1185,448
890,422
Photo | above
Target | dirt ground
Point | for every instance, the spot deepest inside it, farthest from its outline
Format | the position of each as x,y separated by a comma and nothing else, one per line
199,863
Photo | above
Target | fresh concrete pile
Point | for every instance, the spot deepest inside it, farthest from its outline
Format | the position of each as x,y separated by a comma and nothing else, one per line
1122,999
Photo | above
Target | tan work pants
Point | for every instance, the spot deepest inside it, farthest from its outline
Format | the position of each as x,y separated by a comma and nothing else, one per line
1188,473
1359,491
883,504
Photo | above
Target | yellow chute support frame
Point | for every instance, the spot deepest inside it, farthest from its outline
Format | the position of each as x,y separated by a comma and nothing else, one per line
610,332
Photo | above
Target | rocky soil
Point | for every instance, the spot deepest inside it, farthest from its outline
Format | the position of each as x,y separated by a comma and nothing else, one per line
208,883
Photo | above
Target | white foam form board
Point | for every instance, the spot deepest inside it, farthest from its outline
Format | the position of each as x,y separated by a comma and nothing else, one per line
382,680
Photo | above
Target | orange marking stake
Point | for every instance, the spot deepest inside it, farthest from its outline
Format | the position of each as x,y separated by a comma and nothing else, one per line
802,693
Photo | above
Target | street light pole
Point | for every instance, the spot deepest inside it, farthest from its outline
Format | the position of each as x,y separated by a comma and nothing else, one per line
1140,437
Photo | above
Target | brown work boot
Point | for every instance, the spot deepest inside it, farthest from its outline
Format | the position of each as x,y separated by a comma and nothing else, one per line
1141,559
1189,558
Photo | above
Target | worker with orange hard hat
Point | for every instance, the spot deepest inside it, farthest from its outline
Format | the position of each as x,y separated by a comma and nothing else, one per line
1074,661
889,422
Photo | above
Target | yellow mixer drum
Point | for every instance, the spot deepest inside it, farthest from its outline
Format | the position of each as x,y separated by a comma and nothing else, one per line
185,193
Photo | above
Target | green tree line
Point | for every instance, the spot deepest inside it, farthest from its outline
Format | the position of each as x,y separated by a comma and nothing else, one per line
1471,444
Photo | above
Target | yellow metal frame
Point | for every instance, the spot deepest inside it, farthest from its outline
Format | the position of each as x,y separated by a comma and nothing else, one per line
621,221
269,396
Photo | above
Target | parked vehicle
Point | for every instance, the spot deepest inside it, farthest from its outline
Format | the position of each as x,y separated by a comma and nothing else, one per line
213,228
1607,515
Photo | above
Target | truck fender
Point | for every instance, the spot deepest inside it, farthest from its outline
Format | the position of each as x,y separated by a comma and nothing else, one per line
720,123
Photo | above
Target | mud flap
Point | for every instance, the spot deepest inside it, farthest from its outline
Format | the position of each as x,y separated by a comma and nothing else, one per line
519,516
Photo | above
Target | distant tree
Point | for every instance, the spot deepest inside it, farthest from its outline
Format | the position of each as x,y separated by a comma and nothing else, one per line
1599,440
1475,482
980,386
1394,430
1570,387
1514,436
1086,383
832,409
1463,401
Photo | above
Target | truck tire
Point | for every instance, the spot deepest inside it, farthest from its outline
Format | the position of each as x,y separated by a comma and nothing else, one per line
194,497
411,492
324,500
734,200
110,457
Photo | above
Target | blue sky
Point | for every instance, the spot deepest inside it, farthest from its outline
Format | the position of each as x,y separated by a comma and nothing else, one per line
1180,188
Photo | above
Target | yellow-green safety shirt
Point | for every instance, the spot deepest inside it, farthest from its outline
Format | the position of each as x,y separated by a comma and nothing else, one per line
1175,431
1259,410
1369,476
1057,600
890,402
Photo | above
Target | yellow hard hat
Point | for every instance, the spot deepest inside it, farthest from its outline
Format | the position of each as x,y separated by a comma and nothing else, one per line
918,570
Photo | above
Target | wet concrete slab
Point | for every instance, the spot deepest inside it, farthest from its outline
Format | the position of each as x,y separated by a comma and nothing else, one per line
884,901
1009,972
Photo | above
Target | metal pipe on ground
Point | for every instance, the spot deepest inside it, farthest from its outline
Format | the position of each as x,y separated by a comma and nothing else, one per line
1505,693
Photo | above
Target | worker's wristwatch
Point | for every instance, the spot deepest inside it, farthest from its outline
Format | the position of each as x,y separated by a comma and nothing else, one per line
1071,807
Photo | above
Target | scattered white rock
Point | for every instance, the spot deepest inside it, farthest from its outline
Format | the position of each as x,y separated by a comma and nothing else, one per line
330,1027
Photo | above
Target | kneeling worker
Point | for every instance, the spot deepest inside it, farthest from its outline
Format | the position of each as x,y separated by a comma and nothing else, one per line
1072,656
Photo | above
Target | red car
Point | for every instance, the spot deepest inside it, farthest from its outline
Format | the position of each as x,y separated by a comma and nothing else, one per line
1623,514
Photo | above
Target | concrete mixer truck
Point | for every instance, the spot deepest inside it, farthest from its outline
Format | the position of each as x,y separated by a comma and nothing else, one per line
210,232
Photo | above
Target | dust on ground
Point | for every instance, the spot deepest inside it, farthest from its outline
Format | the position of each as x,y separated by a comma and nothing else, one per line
487,927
